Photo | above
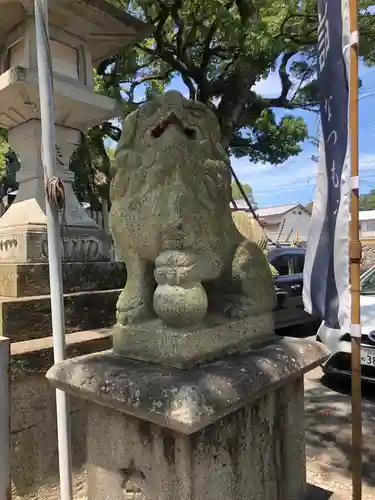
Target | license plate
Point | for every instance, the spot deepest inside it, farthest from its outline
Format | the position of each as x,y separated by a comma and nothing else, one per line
367,356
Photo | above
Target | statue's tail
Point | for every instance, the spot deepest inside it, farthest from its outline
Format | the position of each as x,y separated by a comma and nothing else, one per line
250,228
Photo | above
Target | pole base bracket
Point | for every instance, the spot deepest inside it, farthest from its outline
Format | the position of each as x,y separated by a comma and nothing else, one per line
355,251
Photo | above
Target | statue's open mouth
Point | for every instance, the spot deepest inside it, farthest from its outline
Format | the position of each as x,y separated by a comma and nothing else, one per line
172,120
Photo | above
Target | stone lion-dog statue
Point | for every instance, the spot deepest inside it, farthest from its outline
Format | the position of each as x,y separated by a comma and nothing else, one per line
172,224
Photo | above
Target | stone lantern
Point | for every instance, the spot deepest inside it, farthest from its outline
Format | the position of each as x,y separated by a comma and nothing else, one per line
82,34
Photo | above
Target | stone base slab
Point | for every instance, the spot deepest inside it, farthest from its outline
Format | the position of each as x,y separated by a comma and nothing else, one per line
186,400
30,318
26,280
186,347
228,430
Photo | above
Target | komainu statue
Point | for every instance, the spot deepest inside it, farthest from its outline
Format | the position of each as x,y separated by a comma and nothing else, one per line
189,268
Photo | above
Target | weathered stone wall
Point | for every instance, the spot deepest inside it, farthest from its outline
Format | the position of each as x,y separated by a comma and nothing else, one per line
26,320
34,448
368,256
34,456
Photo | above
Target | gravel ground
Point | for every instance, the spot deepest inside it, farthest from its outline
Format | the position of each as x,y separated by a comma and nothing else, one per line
51,492
333,487
328,436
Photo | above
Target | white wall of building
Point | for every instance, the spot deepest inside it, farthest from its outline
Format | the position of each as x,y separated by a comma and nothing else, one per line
367,224
295,226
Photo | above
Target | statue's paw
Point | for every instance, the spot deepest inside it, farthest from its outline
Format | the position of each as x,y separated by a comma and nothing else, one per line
131,310
133,315
234,311
244,307
127,301
235,307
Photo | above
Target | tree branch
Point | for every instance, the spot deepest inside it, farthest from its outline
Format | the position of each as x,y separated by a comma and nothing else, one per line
181,28
206,57
305,18
167,56
276,103
145,79
207,50
305,73
246,9
255,105
234,99
286,83
190,85
160,23
111,131
166,53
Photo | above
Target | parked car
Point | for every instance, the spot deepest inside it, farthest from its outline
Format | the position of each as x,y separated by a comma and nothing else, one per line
339,342
289,262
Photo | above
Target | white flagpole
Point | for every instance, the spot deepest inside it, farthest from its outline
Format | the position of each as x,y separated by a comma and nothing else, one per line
48,154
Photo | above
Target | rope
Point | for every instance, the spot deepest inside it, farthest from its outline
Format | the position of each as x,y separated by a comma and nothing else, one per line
55,192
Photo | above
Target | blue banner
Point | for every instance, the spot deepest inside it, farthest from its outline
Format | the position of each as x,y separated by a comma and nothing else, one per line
326,273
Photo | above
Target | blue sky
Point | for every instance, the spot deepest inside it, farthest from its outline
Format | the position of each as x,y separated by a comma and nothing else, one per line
294,180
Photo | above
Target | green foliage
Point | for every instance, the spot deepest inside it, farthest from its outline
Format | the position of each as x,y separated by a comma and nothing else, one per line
9,166
221,50
237,195
3,152
91,165
367,201
270,141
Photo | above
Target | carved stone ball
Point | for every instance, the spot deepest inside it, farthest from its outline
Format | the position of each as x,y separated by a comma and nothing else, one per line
180,305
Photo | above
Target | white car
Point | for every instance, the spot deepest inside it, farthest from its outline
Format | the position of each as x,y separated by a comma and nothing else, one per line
339,342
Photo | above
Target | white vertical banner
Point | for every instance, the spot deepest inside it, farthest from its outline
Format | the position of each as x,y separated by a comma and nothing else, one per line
326,273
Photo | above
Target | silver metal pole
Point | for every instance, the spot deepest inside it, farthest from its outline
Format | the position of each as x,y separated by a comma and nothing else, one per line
54,248
4,420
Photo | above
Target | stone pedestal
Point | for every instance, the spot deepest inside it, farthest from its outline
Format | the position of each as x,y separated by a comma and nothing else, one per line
23,228
228,430
91,291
